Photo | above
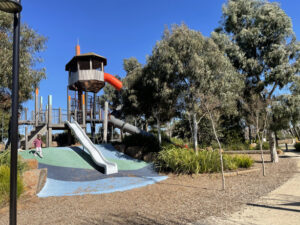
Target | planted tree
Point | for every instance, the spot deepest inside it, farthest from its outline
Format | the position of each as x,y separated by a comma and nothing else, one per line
264,48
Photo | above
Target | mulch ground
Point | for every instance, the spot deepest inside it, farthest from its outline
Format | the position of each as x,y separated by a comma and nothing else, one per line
178,200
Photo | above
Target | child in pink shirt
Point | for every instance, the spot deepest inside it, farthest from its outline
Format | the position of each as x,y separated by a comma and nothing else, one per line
38,145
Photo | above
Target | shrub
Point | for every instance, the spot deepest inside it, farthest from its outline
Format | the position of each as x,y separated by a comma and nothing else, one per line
297,147
5,184
5,161
180,160
237,146
265,146
178,141
62,139
149,142
243,161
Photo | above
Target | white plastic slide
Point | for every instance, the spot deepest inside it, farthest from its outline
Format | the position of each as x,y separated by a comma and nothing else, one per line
96,155
126,126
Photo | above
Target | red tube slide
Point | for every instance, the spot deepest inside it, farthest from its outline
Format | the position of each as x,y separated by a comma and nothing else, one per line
113,81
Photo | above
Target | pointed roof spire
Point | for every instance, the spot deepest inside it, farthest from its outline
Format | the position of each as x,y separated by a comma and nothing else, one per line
77,49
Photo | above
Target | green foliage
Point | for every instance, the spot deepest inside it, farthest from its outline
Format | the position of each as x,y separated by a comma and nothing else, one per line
5,161
243,161
237,146
297,146
186,161
178,141
112,96
5,184
265,146
31,44
62,139
149,142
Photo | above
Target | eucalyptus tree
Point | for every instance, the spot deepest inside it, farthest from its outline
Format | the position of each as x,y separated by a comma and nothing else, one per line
112,96
30,75
199,70
264,48
159,93
132,87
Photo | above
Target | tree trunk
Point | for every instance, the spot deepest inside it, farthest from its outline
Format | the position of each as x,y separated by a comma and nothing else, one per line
296,132
274,156
220,151
195,132
146,126
158,130
276,138
262,154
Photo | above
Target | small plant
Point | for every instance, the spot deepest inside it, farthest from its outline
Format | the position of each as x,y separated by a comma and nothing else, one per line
243,161
186,161
62,139
149,142
297,146
265,146
5,160
5,184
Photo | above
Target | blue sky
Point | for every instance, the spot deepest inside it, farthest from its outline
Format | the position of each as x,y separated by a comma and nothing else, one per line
116,29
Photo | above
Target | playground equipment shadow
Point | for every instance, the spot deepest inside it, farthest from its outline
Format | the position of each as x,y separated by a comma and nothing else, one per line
71,171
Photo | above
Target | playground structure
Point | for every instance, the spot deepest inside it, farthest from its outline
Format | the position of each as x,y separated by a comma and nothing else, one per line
86,77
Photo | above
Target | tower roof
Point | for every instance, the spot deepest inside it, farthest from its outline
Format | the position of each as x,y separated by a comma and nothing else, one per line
97,59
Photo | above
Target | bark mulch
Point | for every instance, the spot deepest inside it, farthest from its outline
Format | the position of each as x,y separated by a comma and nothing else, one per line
178,200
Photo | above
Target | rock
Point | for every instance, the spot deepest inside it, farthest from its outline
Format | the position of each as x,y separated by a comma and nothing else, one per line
32,163
135,152
149,157
34,180
120,148
54,144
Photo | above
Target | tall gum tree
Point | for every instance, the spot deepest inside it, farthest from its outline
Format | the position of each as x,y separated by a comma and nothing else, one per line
196,68
264,48
31,45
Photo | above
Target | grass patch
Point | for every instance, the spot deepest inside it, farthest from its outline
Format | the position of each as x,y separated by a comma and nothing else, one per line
5,161
5,184
179,160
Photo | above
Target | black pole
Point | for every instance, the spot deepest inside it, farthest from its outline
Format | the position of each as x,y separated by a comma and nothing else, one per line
14,123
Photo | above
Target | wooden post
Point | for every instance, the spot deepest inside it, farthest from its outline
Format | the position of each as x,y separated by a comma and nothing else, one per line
49,132
32,115
59,116
36,107
100,114
83,110
112,133
26,110
46,114
105,123
75,114
68,105
41,104
26,138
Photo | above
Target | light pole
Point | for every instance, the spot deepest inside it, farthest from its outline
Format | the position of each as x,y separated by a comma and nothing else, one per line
14,7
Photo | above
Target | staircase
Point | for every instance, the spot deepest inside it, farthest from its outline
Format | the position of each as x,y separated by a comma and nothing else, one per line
33,135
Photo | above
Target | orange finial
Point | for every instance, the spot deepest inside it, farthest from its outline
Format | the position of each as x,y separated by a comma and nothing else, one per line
37,91
77,48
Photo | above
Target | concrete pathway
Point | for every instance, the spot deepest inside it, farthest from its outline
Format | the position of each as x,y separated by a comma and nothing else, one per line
281,206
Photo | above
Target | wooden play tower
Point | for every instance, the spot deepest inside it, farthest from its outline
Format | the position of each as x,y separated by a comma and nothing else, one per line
86,77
